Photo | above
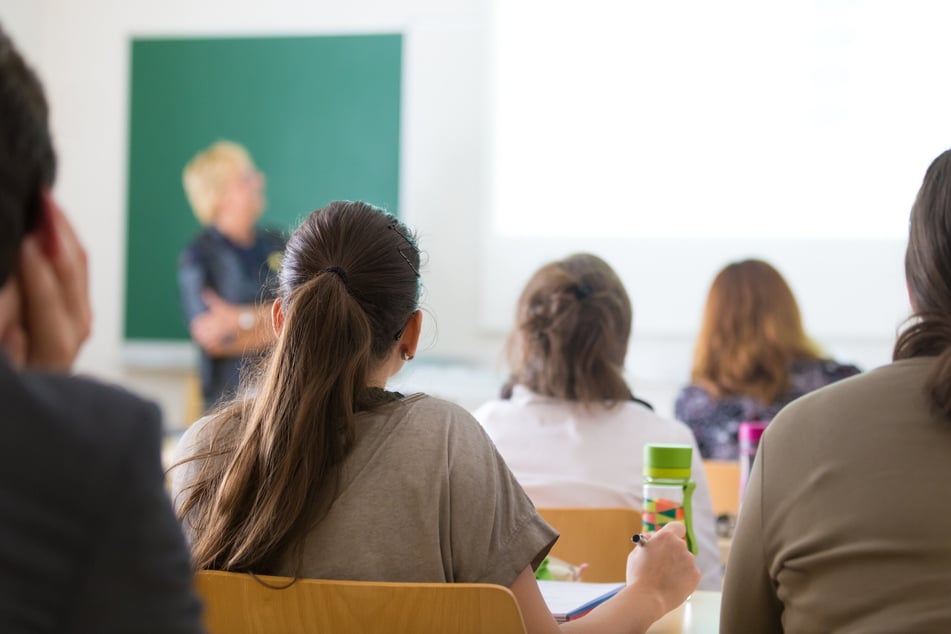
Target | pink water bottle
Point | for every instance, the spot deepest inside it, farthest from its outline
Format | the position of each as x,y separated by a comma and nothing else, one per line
748,434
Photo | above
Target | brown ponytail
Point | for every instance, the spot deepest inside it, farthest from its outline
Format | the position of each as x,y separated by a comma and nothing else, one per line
348,286
928,274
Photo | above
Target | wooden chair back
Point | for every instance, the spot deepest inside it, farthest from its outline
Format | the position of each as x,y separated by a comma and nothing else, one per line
238,603
723,478
194,401
599,537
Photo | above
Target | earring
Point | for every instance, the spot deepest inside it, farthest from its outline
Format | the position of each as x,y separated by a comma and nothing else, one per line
407,356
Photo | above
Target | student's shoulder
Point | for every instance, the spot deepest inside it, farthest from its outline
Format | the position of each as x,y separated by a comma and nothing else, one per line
696,404
643,421
435,408
694,393
433,415
897,386
94,417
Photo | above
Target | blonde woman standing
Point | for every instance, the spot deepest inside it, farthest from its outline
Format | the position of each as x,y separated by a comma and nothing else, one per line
226,274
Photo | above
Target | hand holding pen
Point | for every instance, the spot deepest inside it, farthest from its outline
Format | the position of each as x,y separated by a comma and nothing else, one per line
666,572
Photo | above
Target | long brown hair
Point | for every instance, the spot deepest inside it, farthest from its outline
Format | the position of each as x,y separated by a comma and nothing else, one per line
348,285
572,325
751,332
928,274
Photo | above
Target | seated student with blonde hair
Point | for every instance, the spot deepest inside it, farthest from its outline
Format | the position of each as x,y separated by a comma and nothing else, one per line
567,423
319,471
752,357
226,274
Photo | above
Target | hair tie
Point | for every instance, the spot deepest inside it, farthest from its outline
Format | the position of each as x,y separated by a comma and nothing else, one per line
339,272
583,291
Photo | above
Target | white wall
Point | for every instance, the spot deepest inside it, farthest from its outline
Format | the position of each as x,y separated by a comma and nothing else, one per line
81,51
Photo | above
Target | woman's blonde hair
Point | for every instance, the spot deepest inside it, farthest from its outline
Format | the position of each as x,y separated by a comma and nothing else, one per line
349,283
206,175
751,332
572,326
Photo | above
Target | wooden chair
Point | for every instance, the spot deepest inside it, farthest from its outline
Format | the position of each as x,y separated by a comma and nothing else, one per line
599,537
723,478
194,402
237,603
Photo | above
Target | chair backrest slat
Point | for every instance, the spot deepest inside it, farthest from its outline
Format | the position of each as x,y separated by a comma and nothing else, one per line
237,603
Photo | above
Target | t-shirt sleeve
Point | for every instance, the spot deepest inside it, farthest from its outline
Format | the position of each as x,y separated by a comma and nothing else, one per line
494,528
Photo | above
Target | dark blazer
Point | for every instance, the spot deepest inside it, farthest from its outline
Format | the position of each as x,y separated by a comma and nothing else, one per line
88,538
238,274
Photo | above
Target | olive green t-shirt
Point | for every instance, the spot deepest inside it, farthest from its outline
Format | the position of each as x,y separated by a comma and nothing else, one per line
846,522
423,496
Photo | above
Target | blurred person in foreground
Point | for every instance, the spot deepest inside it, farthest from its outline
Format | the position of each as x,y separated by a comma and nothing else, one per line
88,538
845,521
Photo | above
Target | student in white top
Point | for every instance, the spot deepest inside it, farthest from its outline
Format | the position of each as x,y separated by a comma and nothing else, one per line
567,424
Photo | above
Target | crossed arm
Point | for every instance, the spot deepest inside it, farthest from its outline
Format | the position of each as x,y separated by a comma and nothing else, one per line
230,330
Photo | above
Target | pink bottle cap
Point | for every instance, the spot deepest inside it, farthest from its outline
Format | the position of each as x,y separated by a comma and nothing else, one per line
749,432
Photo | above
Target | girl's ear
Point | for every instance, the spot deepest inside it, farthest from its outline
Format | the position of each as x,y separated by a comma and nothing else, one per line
410,339
277,316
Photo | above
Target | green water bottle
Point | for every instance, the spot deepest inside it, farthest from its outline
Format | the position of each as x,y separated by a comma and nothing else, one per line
668,489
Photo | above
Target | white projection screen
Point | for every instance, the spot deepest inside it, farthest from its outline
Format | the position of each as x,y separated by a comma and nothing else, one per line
673,138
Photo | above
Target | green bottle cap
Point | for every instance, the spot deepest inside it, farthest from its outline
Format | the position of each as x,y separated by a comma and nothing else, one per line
667,461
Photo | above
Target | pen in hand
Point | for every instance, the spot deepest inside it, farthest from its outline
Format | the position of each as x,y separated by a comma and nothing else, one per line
640,539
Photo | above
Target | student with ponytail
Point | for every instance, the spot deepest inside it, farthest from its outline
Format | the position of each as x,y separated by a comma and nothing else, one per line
845,521
317,470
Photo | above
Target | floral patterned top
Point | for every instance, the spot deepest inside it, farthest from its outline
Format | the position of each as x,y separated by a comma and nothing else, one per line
715,421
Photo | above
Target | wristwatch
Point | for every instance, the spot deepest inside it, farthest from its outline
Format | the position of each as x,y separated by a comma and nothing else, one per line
247,319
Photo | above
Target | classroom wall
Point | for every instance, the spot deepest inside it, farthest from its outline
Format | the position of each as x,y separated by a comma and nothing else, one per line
81,50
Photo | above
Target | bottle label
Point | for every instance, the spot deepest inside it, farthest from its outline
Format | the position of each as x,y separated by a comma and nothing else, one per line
660,511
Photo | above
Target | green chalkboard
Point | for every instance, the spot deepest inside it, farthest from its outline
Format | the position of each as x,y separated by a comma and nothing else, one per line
319,115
